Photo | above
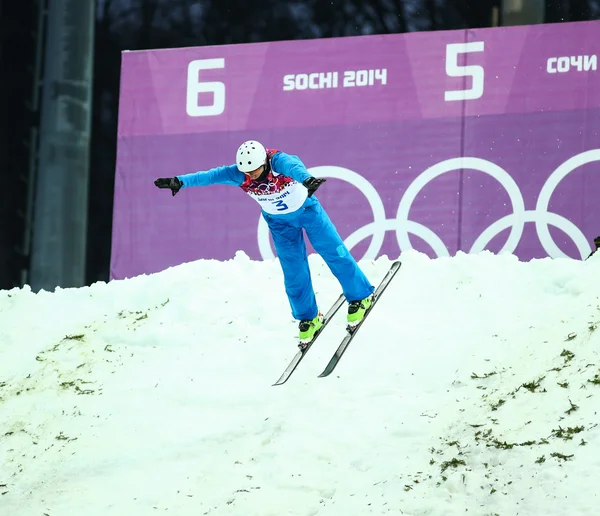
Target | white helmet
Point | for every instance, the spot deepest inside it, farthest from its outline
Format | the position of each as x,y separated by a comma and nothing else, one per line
250,156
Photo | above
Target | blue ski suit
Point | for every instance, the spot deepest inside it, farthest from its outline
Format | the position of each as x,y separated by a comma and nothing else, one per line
287,209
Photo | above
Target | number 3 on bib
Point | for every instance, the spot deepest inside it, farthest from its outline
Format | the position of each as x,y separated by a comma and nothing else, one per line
280,205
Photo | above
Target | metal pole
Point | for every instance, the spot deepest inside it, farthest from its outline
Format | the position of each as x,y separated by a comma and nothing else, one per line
33,140
61,200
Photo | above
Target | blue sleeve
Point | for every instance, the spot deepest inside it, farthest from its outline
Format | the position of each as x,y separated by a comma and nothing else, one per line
290,166
228,175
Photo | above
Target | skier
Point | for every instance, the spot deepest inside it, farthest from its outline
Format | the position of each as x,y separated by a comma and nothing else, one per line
284,189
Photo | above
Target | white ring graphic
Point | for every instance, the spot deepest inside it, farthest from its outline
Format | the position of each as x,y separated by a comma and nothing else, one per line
431,173
403,226
544,201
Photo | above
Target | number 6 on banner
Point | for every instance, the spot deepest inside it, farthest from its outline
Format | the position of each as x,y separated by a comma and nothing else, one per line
454,70
195,86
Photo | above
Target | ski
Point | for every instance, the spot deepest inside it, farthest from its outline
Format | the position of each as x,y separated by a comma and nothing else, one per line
300,354
351,332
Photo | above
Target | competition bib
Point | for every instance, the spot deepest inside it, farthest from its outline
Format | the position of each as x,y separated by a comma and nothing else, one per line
277,194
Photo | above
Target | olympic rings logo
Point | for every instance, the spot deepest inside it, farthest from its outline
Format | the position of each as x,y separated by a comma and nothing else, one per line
403,226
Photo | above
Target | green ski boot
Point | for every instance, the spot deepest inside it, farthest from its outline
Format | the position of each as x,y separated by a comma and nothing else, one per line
308,328
357,310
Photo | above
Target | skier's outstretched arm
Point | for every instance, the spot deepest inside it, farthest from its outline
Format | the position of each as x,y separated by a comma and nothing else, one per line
292,166
228,175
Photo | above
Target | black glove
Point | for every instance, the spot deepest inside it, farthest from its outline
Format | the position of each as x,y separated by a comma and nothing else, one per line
169,182
312,183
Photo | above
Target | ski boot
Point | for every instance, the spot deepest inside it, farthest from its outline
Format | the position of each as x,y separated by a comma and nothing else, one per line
308,328
357,310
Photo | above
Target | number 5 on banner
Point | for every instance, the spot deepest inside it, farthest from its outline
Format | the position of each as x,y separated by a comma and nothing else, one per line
454,70
195,86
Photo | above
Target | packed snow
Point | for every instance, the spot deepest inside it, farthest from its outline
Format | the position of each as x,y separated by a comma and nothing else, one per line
472,388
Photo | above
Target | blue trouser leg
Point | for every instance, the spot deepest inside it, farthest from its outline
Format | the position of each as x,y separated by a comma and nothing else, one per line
291,250
327,242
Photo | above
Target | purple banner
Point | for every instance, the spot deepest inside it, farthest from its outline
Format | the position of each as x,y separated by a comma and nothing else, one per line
439,141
